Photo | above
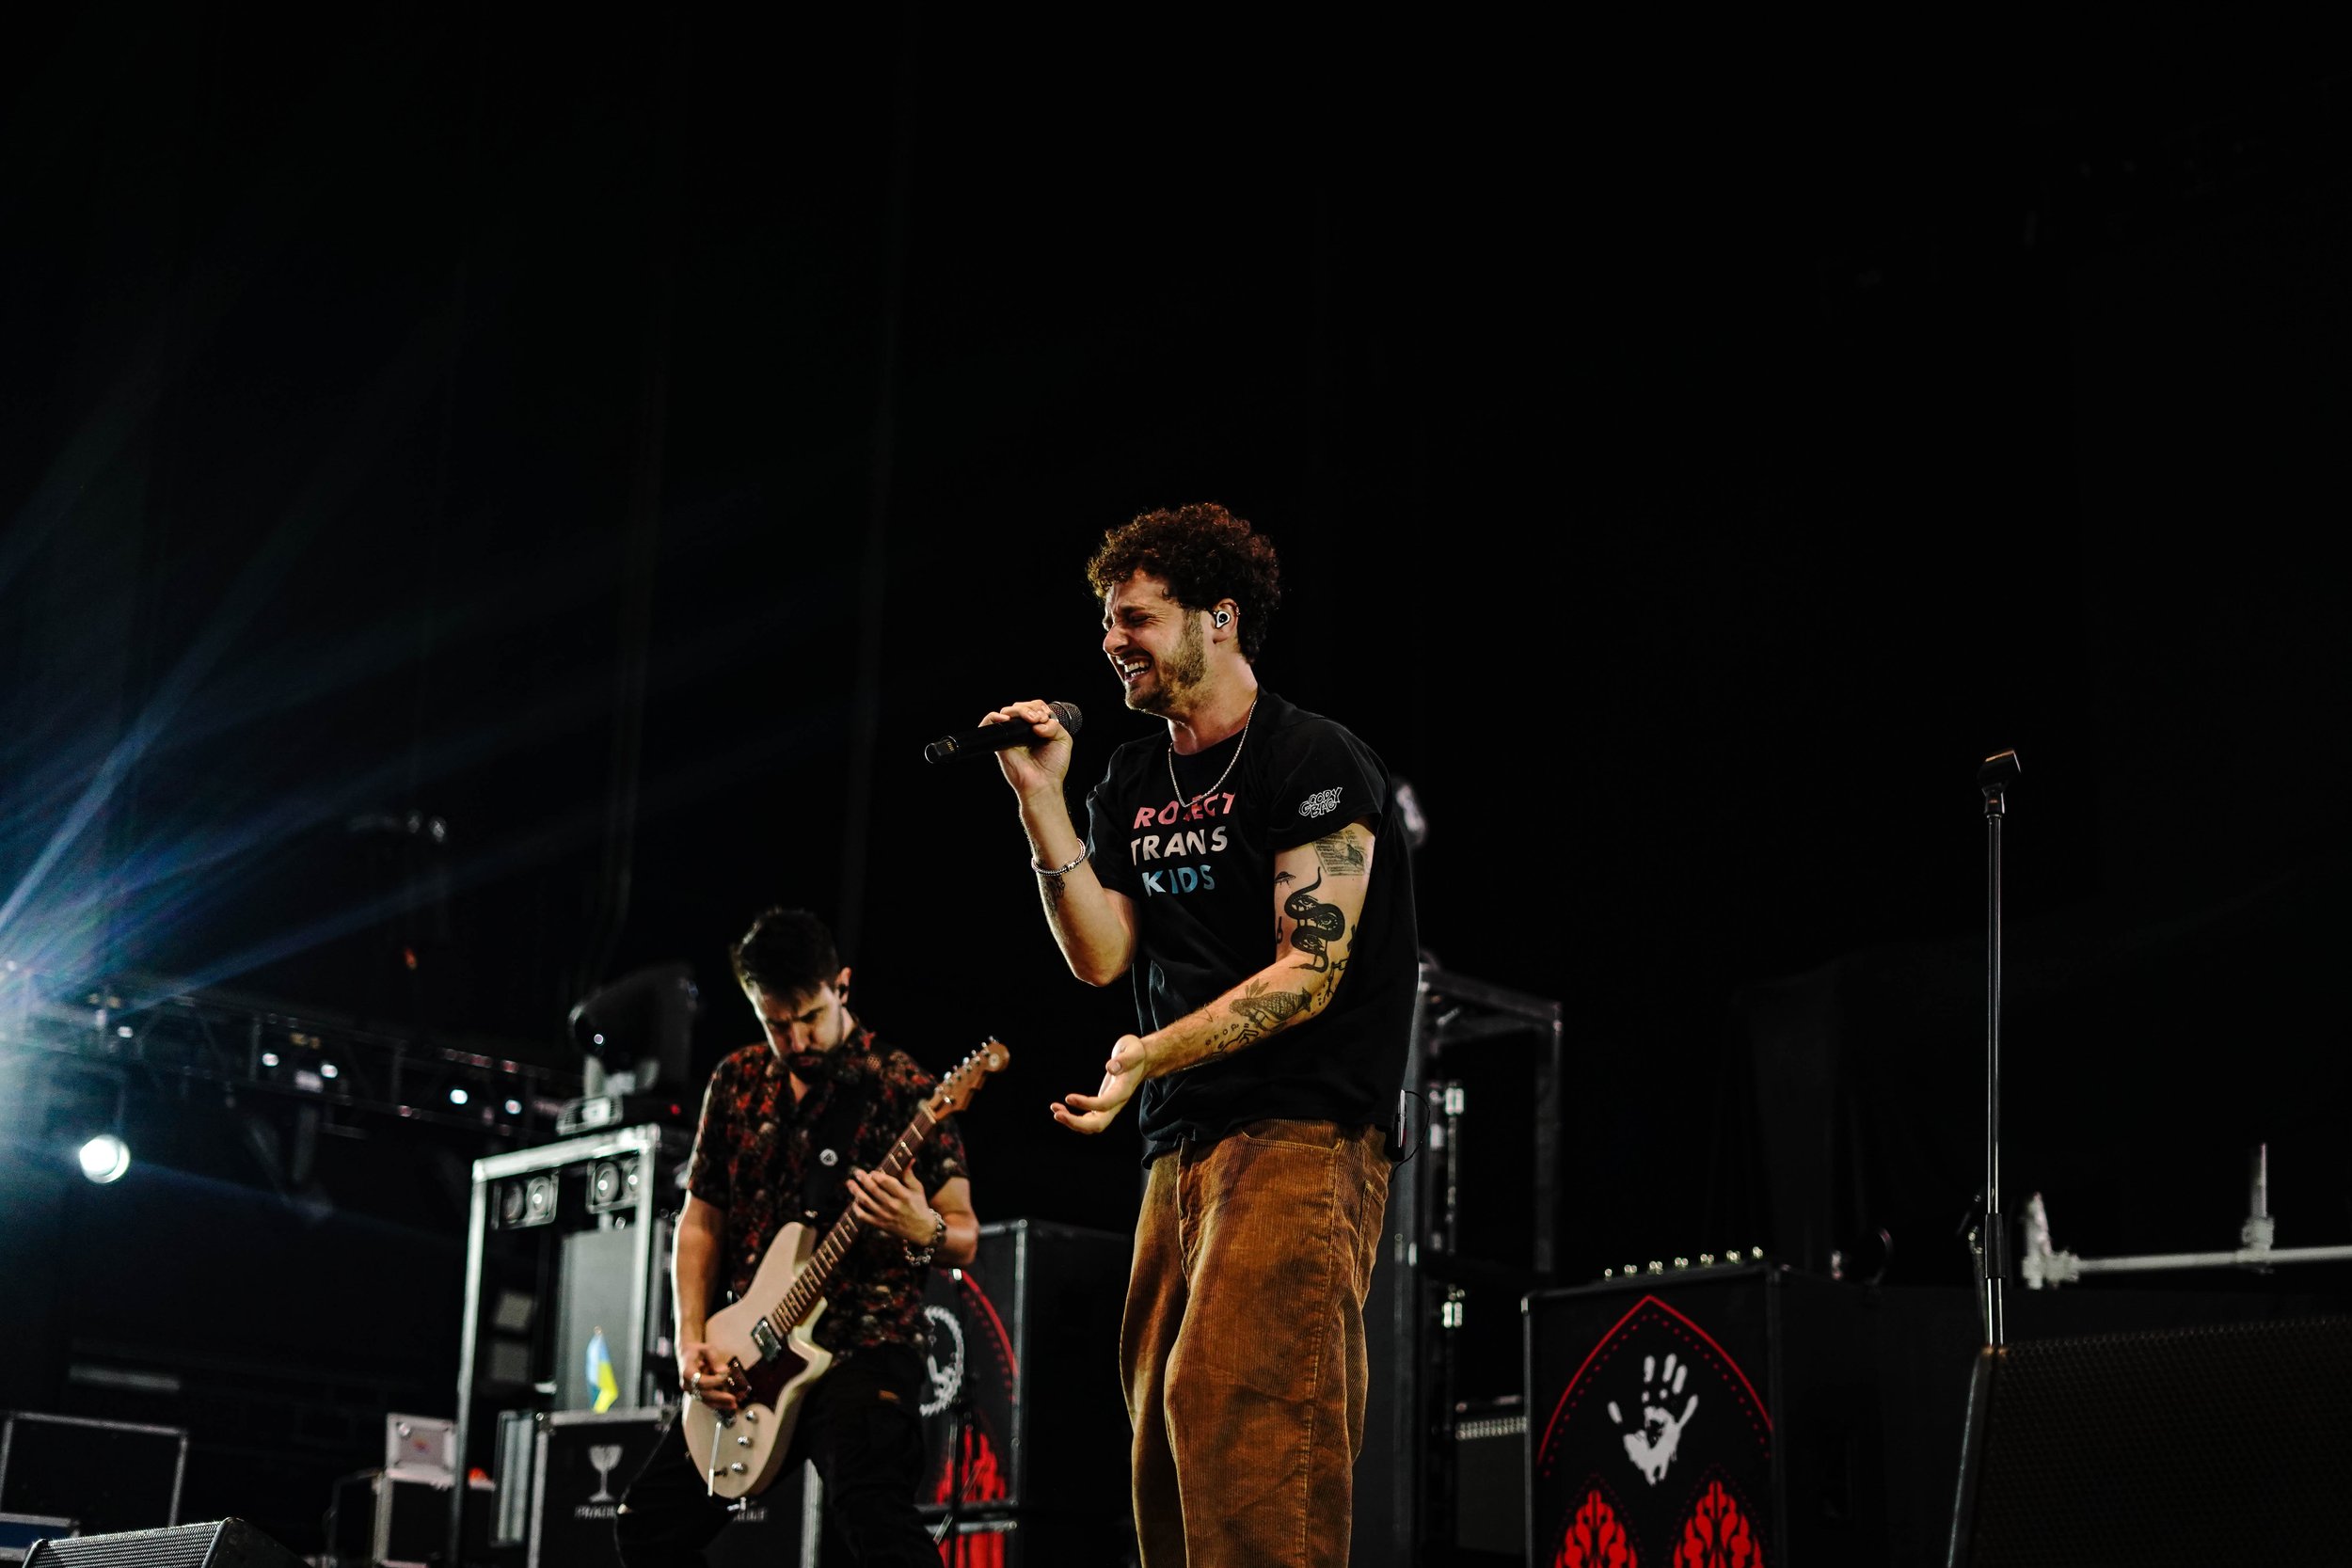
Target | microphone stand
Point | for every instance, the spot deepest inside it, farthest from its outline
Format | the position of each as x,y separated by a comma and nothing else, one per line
1991,1237
959,1470
1994,778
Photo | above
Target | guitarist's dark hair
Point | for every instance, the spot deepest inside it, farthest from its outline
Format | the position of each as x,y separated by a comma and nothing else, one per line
787,953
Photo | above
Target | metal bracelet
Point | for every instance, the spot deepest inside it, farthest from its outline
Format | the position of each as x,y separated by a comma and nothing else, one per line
1062,870
939,1234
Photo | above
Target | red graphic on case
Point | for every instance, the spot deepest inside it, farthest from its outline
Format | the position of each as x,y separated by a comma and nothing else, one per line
984,1551
983,1477
1595,1539
1717,1535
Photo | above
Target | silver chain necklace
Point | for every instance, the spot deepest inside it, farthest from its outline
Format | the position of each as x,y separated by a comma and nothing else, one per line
1229,761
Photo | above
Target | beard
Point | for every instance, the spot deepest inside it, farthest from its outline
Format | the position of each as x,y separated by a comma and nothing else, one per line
1175,678
837,1066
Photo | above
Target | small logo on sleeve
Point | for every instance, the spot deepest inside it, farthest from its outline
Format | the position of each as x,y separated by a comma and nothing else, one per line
1321,803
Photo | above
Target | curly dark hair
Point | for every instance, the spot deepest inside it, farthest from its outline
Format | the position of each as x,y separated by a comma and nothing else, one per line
787,953
1203,553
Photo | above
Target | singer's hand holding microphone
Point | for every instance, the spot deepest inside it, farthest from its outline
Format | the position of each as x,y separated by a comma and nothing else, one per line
1031,742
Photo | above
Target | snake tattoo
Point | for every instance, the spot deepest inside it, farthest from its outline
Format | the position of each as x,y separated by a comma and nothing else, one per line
1317,925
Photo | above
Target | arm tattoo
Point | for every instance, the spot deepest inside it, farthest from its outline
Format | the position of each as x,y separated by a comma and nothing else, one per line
1340,855
1263,1010
1051,889
1339,968
1317,925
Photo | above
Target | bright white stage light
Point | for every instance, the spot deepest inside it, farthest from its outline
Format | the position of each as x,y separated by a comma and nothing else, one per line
456,1097
328,1070
514,1107
105,1158
269,1059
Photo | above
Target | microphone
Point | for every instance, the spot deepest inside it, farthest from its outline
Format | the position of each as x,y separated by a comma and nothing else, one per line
996,737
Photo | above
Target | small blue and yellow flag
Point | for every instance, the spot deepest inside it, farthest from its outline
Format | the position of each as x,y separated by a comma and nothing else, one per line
601,1376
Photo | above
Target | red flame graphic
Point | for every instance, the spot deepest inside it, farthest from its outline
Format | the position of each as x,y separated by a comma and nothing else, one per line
1595,1539
985,1550
983,1478
1717,1535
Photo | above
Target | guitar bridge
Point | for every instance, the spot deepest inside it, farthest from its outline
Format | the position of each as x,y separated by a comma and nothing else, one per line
766,1340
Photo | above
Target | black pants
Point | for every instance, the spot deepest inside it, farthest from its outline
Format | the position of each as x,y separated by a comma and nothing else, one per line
861,1426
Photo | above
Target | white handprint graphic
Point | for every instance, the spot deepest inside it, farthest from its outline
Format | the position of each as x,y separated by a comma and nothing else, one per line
1651,1444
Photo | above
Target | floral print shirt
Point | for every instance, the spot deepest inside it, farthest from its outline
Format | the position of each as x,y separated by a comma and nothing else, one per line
755,1155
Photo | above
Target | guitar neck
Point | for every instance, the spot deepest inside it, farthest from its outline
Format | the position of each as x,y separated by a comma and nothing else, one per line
808,1288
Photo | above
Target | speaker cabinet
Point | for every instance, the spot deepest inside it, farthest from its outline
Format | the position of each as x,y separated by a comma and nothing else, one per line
1025,1405
586,1459
1718,1415
2193,1446
223,1544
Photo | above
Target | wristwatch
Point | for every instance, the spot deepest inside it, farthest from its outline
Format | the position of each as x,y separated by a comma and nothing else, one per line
939,1234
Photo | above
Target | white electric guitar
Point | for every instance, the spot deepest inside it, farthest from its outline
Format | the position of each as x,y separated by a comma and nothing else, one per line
766,1339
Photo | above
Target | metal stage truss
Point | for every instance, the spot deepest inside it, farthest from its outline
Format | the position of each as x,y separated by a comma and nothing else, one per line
1472,1224
127,1029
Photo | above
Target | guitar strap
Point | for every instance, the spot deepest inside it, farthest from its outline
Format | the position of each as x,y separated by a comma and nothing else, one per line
832,1147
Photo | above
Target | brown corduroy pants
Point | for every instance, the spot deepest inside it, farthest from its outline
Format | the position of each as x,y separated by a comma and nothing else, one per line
1242,1344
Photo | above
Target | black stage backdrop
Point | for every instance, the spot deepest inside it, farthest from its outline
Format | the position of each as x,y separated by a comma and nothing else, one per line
629,440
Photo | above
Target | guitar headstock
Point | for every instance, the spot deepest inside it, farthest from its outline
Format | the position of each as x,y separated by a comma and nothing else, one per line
957,1088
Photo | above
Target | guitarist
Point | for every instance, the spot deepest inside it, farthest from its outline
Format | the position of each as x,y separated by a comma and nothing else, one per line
794,1126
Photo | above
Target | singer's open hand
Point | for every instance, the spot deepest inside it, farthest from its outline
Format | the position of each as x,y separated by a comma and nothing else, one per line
1090,1113
1040,767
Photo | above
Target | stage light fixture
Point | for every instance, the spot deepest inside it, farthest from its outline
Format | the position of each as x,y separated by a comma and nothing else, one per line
328,1070
269,1059
105,1158
514,1107
456,1097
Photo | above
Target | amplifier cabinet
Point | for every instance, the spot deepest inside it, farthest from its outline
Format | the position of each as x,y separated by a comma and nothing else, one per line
1025,1402
1714,1416
1490,1480
584,1462
388,1520
104,1474
1027,1539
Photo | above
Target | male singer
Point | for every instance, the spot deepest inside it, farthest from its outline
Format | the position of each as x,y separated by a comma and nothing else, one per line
797,1123
1266,1072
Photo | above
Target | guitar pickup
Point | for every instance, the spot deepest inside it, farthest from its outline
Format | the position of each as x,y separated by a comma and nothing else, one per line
766,1340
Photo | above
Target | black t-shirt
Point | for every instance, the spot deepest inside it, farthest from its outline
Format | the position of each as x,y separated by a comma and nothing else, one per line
1202,882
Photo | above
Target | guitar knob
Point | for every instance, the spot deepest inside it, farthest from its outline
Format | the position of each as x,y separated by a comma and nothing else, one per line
735,1469
751,1414
742,1442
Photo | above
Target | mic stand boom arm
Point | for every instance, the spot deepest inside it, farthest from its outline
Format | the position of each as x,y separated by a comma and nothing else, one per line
2045,1268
